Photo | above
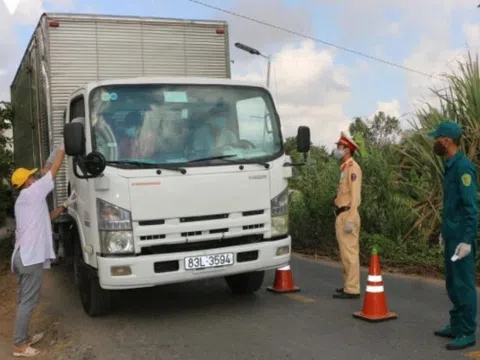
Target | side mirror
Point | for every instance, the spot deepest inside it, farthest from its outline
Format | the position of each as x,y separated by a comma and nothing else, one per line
303,139
95,163
92,165
303,145
74,139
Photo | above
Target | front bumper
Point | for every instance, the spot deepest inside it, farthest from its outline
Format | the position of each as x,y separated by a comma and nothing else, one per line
144,274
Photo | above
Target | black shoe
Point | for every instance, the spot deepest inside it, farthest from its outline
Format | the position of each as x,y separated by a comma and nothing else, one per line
344,295
339,290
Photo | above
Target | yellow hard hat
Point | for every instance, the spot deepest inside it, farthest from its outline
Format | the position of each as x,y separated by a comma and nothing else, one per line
21,175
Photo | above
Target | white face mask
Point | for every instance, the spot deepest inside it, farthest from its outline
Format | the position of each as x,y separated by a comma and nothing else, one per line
338,153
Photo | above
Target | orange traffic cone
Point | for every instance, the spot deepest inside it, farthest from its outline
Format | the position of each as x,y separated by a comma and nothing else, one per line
375,302
283,281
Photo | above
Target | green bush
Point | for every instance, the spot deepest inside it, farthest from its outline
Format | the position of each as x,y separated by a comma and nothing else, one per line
6,162
312,221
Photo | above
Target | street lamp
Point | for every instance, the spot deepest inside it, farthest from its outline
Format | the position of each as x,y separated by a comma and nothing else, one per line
253,51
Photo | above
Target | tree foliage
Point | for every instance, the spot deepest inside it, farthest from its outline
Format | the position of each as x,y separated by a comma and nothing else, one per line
382,130
460,102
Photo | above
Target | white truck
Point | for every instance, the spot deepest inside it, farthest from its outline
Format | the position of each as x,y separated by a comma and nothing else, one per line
179,171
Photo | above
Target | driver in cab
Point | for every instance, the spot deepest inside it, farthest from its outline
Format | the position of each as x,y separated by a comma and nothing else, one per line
214,133
136,144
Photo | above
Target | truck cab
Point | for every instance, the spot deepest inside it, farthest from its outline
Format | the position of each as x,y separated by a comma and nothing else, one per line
177,179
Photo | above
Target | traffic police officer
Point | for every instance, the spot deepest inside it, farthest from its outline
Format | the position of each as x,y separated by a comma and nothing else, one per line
458,234
347,224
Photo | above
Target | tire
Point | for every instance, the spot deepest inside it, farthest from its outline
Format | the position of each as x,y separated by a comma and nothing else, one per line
95,300
246,283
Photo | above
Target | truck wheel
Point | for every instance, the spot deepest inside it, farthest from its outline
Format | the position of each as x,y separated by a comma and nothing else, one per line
95,300
246,283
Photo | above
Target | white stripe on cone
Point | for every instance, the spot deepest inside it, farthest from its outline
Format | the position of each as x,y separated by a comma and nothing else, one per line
374,289
285,268
375,278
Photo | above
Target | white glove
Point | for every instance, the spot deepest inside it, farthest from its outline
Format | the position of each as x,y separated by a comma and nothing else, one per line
461,251
54,154
348,227
71,199
440,240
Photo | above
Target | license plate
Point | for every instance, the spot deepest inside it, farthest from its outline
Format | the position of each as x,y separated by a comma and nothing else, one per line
208,261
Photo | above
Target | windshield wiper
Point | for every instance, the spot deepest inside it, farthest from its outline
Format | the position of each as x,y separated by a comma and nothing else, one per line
233,161
221,157
146,165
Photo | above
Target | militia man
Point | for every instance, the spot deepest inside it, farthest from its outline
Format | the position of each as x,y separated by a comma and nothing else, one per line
458,235
347,223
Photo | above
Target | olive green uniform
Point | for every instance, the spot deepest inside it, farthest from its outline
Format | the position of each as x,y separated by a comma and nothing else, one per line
459,225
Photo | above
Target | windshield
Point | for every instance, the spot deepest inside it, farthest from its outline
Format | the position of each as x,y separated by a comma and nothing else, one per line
178,124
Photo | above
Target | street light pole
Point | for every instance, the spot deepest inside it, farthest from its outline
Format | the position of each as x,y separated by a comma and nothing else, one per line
268,71
253,51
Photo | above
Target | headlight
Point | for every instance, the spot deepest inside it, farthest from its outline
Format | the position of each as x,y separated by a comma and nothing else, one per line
115,229
279,210
116,242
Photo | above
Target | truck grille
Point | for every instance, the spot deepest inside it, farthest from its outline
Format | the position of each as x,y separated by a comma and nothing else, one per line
203,218
200,232
152,237
201,245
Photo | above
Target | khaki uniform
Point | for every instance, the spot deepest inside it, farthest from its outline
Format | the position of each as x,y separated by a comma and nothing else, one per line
348,195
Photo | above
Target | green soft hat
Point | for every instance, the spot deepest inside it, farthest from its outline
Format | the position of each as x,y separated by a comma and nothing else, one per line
448,129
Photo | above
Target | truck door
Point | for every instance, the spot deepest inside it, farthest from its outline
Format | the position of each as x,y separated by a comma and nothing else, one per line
82,208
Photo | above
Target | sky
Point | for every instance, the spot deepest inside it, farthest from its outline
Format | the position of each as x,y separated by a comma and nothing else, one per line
313,83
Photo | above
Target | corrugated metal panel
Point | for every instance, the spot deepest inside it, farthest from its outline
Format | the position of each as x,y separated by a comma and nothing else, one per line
34,84
72,62
205,52
184,50
42,99
164,49
119,49
39,111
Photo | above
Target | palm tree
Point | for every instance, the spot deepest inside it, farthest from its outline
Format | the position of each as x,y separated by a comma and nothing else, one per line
460,102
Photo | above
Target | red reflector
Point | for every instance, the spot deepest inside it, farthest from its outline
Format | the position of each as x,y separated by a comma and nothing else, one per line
220,31
53,23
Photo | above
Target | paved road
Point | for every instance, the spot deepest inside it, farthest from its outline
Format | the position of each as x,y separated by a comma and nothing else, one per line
202,320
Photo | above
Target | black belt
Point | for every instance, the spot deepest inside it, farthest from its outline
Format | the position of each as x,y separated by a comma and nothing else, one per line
341,209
